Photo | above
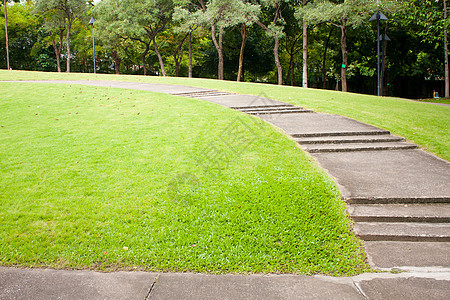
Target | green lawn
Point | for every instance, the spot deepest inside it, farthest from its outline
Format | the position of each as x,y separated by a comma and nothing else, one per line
424,124
433,100
111,179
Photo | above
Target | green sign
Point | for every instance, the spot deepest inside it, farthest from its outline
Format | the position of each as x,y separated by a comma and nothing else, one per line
344,66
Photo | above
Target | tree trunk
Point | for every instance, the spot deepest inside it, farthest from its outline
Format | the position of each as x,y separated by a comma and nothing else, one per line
6,36
144,65
275,49
244,36
305,53
178,55
290,74
177,64
218,45
277,60
447,83
177,59
190,54
344,57
58,56
324,74
161,63
117,62
69,27
58,49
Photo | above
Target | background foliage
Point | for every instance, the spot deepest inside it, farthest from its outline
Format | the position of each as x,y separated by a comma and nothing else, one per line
126,39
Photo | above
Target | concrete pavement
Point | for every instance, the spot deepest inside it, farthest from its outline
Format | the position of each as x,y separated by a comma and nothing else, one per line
61,284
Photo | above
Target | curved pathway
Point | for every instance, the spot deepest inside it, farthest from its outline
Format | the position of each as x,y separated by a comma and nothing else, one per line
397,194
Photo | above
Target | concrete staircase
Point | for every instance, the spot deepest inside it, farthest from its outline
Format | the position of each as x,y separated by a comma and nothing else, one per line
394,192
352,141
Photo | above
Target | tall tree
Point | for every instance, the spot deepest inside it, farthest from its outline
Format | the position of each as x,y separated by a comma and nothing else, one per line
54,24
6,31
246,15
142,21
70,9
305,49
107,15
222,14
446,65
187,17
6,35
274,28
218,15
344,14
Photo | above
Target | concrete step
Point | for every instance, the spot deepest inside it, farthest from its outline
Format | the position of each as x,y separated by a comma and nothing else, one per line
425,213
271,108
350,139
323,148
271,112
391,254
407,232
394,200
341,133
274,106
200,94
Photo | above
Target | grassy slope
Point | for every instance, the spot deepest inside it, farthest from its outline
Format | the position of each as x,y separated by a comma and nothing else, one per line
90,178
425,124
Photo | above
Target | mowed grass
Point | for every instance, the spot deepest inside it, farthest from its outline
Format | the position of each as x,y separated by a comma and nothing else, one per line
434,100
111,179
422,123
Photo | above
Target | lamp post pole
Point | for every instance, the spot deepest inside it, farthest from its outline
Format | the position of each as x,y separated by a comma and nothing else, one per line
378,17
379,93
91,22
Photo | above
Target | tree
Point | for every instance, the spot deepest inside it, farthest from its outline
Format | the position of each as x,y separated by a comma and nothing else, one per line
446,66
70,10
142,21
274,29
6,32
55,26
305,50
344,14
107,15
6,35
218,15
187,17
247,14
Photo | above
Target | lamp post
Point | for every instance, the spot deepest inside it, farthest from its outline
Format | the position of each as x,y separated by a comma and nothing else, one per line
91,22
378,16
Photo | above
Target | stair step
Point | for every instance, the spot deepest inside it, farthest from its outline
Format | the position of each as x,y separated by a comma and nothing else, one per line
201,94
263,109
391,254
412,232
349,139
321,148
270,112
341,133
263,106
427,213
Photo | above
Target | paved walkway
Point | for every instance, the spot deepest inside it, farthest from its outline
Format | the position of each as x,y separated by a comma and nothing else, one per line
397,194
58,284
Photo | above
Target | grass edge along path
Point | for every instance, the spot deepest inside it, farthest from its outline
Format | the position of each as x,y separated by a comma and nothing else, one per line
424,124
87,176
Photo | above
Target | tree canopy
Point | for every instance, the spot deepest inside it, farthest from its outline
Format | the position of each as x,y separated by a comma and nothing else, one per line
245,40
